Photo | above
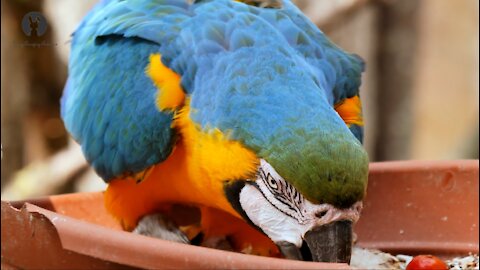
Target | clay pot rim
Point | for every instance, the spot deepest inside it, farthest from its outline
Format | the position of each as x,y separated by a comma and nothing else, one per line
73,232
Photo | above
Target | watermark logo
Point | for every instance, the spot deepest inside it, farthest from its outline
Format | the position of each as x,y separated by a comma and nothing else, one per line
34,24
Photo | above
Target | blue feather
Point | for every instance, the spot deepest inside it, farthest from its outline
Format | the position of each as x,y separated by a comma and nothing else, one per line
268,76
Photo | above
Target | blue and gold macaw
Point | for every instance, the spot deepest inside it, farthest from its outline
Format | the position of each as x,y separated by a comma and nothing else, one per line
243,108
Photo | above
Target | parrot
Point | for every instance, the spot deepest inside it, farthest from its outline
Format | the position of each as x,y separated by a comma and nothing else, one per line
242,108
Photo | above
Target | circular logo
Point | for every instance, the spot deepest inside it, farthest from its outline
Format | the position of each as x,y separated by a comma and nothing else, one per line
34,24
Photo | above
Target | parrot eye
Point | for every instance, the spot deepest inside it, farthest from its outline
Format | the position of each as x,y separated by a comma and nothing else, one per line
270,181
280,193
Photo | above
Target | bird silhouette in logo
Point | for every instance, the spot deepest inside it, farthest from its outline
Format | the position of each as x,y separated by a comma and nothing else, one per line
34,22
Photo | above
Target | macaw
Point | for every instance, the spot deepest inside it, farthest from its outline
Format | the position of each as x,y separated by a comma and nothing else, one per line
242,108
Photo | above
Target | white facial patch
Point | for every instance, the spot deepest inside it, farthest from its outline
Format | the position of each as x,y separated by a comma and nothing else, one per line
282,212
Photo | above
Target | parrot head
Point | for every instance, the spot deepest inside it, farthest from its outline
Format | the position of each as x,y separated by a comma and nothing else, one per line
309,216
302,229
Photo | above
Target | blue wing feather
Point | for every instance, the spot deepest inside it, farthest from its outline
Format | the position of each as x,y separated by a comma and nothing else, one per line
109,106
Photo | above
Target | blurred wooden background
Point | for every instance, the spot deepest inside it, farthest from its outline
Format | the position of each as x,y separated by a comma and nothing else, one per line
420,90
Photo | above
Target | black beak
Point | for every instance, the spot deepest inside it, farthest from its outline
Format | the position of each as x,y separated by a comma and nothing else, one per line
331,242
328,243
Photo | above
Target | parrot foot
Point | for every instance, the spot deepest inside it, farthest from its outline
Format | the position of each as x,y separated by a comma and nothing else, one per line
218,242
159,226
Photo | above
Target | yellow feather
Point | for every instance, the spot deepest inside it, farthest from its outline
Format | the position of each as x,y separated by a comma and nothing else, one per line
170,93
350,110
195,173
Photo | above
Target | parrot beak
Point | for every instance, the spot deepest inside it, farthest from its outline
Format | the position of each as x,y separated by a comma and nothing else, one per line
330,242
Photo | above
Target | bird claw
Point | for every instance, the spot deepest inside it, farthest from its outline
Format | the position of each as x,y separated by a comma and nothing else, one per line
159,226
218,242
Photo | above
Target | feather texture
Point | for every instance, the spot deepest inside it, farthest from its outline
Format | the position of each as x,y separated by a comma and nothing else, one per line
264,77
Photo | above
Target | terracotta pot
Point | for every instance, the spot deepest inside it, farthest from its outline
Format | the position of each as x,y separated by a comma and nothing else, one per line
411,207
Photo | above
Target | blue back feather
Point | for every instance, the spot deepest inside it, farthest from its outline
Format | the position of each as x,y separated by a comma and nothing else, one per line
267,76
